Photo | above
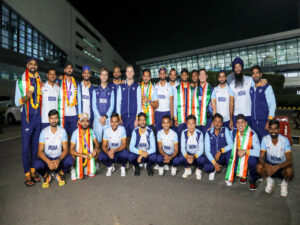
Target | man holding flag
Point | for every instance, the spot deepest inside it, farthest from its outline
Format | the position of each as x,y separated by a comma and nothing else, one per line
244,154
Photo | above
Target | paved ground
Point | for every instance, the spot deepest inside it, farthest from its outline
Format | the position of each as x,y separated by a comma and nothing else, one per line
139,200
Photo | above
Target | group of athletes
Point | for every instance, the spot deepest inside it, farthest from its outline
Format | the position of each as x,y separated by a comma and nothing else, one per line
71,126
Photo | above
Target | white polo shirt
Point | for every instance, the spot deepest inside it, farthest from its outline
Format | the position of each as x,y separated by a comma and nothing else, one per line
242,99
49,101
167,140
114,138
53,142
164,93
86,103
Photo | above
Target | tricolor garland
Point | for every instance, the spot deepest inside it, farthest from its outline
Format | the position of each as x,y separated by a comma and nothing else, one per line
146,106
24,85
181,100
199,111
64,97
85,146
242,165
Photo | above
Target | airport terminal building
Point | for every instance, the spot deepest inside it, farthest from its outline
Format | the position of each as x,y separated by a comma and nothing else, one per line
53,32
277,52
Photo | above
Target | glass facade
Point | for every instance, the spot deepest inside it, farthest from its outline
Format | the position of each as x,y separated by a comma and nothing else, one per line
18,35
272,53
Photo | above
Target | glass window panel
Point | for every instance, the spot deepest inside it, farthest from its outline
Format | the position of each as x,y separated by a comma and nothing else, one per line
227,59
291,50
207,64
5,10
252,56
261,54
244,56
270,59
281,52
201,61
214,61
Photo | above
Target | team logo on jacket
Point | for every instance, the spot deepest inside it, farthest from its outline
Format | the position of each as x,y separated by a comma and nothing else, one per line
260,90
222,135
123,89
133,88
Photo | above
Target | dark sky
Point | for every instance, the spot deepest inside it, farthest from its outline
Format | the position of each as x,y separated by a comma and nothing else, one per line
145,29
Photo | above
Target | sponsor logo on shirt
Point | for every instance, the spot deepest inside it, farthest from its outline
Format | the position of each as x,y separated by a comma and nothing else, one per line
221,99
274,158
142,145
192,146
114,144
85,97
167,147
240,93
102,100
52,147
51,98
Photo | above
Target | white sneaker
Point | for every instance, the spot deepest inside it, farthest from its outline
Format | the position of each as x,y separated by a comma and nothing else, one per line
211,176
73,174
110,170
270,185
284,189
141,164
173,171
123,171
228,183
85,170
198,174
166,167
187,172
156,167
161,171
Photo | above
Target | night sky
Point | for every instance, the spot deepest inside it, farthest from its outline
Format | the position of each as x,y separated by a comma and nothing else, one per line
145,29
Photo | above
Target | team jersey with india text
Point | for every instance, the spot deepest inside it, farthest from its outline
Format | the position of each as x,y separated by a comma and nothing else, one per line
114,138
164,93
167,140
49,101
53,142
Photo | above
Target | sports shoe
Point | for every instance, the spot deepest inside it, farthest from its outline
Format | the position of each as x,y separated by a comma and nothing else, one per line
284,188
136,170
73,174
156,167
142,164
211,176
243,181
85,170
60,177
123,171
198,174
110,170
173,171
187,172
149,170
253,186
46,180
161,171
228,183
97,167
166,167
270,185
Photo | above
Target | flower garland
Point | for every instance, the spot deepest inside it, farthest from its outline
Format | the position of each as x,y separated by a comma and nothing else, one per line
74,102
146,106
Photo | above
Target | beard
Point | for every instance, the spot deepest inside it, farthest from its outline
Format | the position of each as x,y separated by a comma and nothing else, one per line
239,79
53,124
274,136
32,70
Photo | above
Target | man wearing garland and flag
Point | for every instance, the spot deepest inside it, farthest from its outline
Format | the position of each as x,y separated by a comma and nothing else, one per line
244,154
28,95
147,98
182,102
201,105
85,148
85,94
67,101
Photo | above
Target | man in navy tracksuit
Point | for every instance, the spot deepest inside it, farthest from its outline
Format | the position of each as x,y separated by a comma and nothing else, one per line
85,94
115,84
263,104
26,96
127,101
218,144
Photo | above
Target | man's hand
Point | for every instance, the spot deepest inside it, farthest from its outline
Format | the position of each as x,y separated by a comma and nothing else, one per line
241,153
176,123
190,159
136,122
217,155
139,159
94,153
267,125
102,120
271,169
29,94
167,159
231,125
111,153
264,82
50,164
85,156
144,154
217,167
56,163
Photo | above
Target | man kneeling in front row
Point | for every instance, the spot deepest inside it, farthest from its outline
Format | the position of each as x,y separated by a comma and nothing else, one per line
84,148
275,159
142,146
53,152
